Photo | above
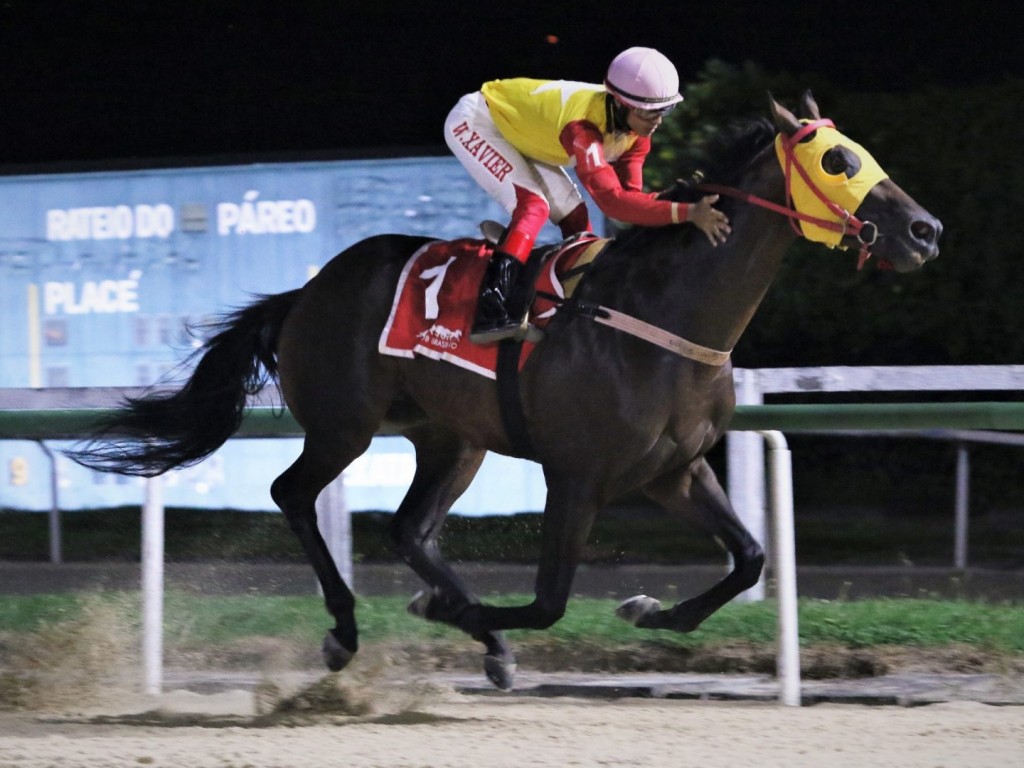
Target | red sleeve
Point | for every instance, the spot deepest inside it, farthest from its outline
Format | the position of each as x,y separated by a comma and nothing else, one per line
617,188
630,166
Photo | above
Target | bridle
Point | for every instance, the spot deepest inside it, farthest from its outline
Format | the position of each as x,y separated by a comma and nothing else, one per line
866,232
845,223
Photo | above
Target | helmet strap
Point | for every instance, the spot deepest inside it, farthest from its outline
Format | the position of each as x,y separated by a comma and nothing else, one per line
617,114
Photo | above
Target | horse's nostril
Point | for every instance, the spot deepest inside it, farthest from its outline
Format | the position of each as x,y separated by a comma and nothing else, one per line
926,231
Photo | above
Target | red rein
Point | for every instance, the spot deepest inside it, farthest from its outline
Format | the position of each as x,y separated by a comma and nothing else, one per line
848,224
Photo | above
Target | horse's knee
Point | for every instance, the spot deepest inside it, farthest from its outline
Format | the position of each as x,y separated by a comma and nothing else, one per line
406,539
278,492
750,565
547,612
289,500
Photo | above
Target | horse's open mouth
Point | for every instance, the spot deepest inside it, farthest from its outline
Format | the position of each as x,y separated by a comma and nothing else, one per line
914,260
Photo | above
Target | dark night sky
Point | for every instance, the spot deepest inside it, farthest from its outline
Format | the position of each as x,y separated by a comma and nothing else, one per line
114,80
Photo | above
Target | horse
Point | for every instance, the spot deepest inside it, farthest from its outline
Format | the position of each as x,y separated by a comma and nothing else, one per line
607,412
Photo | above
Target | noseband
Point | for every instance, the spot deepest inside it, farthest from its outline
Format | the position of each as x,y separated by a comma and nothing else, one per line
866,232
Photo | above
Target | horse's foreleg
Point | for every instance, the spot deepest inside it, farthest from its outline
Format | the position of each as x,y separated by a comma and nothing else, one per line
445,466
696,491
295,492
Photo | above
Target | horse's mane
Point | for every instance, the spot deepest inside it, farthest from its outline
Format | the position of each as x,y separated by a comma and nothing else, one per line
723,160
725,157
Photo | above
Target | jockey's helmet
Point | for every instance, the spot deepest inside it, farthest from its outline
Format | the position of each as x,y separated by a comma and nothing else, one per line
643,78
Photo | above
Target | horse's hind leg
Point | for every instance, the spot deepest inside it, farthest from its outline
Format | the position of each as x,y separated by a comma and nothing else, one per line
695,491
295,492
445,466
568,515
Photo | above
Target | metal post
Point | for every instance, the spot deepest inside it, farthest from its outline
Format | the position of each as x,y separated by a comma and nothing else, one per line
56,541
745,479
335,523
153,586
962,512
780,474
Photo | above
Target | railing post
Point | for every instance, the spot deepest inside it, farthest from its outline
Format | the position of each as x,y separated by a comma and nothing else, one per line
153,586
962,511
780,475
56,540
335,523
745,479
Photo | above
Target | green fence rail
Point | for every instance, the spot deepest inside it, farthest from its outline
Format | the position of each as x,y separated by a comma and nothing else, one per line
64,424
881,416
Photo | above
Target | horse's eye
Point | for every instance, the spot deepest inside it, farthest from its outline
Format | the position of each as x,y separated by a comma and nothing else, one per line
840,160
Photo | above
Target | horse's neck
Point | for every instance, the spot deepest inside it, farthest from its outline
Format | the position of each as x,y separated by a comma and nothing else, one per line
709,295
738,277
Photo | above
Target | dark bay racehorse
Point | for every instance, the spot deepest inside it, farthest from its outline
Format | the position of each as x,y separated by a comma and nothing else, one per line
607,412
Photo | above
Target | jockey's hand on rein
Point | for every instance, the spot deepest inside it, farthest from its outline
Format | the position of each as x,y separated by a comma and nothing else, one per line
709,220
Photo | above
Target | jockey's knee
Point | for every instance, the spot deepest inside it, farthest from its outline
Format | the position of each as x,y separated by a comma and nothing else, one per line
577,220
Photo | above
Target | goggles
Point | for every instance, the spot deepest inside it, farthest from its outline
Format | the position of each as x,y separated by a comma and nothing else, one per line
652,114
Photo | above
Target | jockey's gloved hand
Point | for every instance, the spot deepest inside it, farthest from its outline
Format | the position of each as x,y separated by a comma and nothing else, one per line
709,220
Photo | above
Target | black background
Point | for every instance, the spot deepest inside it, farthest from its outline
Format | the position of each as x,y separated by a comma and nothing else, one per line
114,82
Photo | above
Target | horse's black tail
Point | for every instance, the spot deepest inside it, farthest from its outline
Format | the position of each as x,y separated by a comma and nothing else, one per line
154,433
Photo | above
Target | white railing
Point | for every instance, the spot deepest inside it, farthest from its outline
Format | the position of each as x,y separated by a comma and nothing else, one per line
745,481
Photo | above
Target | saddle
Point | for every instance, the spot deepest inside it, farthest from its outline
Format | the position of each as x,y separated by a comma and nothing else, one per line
435,300
567,277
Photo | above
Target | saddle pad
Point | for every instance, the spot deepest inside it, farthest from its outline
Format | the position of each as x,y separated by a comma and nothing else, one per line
435,303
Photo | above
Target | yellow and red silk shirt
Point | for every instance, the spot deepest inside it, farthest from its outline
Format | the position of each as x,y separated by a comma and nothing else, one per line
569,124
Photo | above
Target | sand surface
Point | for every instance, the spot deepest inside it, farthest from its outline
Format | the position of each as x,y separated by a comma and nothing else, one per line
440,727
69,699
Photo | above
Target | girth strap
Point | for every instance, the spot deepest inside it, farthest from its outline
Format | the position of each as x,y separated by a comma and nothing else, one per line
662,338
510,399
642,330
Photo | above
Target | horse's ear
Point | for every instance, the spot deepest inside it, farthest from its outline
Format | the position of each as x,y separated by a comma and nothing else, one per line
785,121
809,107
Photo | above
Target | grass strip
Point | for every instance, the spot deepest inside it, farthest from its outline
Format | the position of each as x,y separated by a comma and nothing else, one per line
194,620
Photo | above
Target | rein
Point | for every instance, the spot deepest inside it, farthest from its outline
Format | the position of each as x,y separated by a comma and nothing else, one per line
848,224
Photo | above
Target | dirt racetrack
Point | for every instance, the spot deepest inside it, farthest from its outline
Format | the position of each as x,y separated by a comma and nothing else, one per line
444,728
387,710
72,702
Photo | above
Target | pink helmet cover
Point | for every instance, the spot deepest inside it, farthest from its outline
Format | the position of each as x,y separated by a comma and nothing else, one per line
645,78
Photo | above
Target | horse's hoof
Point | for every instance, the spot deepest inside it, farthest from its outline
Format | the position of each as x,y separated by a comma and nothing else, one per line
637,608
420,603
336,656
500,671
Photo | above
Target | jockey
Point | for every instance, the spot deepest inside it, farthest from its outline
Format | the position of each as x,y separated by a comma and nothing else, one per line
516,138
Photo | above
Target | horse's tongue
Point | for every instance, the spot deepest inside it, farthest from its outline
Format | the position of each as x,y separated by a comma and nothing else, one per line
883,264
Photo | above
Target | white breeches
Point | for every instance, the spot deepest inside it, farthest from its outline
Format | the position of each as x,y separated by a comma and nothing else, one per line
498,167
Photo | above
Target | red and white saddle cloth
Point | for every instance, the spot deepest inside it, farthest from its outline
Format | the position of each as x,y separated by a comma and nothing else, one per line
435,301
